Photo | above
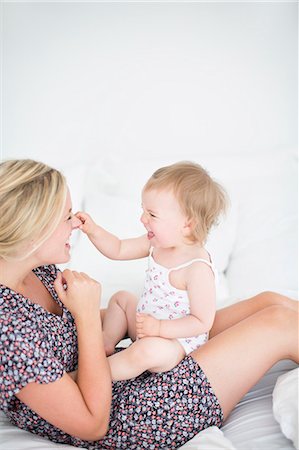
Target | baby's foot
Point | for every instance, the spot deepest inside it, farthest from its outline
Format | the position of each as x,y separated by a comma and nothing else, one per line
108,345
109,349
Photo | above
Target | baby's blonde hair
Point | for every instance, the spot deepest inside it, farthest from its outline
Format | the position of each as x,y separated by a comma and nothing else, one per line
201,198
32,201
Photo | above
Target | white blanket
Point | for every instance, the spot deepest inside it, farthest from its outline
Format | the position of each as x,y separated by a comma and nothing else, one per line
285,404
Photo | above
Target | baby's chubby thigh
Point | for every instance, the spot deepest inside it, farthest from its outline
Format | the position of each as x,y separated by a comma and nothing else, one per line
158,354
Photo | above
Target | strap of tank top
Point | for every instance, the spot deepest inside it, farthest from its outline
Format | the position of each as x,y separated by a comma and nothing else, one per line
181,266
188,263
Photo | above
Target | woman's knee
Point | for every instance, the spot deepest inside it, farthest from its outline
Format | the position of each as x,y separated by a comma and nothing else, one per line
283,322
271,298
277,315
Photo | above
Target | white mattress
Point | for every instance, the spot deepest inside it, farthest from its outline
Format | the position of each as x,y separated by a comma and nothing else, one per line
251,426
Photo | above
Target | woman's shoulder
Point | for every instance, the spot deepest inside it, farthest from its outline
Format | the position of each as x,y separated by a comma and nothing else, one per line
13,303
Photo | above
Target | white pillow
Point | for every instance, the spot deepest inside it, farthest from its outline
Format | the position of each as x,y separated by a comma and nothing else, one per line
264,255
285,404
209,439
254,247
113,198
119,216
75,175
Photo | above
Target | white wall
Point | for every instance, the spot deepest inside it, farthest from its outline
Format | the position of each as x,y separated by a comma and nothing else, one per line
97,85
85,79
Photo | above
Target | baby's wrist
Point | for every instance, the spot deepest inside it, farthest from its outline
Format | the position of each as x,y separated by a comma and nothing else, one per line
159,328
93,231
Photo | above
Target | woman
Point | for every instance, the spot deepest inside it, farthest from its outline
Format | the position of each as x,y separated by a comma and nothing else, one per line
55,380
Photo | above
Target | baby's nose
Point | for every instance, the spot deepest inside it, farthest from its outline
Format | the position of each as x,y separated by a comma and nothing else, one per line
143,218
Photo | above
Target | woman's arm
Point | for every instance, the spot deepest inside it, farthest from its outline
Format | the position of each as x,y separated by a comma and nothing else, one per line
109,244
200,284
80,408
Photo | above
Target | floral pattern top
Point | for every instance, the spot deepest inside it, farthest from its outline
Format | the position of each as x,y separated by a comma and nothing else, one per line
152,411
35,346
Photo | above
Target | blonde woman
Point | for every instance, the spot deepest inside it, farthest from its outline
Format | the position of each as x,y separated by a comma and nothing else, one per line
181,203
55,378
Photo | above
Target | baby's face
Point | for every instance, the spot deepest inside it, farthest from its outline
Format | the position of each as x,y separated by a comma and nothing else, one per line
163,218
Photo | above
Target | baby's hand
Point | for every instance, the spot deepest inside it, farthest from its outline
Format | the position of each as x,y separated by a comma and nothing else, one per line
147,325
88,226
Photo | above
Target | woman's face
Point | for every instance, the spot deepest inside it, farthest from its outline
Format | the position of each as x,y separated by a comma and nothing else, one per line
56,249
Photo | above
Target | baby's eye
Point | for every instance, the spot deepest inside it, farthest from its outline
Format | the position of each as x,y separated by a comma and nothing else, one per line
152,215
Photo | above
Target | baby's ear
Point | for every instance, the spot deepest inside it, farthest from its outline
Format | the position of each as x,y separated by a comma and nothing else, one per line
188,227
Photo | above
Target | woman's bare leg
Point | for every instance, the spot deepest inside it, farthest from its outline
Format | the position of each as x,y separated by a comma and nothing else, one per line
229,316
119,320
235,359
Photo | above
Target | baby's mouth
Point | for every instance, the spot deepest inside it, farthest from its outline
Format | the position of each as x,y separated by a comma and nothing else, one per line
150,235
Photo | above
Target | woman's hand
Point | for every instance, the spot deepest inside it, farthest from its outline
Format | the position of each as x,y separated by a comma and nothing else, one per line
79,293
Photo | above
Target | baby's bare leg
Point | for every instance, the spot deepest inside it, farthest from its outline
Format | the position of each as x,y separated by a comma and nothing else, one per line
119,320
150,353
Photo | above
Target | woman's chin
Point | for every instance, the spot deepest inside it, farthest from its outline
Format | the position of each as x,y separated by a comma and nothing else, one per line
67,258
64,258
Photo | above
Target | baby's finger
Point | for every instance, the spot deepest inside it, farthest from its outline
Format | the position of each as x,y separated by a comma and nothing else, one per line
140,317
81,216
139,329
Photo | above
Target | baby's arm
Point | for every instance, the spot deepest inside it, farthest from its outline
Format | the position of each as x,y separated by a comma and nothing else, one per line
202,296
109,244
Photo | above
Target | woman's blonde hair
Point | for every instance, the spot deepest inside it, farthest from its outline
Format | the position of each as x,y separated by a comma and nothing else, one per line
32,201
201,198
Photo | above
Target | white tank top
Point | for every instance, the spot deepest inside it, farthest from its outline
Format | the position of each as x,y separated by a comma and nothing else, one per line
163,301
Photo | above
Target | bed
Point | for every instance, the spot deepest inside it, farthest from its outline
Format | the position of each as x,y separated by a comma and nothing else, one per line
254,248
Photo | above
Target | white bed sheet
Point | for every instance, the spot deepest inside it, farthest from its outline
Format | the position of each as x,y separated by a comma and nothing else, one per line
251,425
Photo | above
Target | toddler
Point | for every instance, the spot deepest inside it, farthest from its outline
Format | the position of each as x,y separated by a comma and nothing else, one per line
176,310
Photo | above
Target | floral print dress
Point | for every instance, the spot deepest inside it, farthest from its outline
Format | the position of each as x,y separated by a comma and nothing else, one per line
152,411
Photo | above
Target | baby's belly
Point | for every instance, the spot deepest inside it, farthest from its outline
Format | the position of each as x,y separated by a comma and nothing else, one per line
161,310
